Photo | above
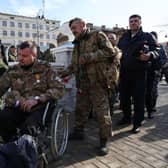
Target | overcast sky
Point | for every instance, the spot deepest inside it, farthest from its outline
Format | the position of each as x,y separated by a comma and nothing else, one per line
99,12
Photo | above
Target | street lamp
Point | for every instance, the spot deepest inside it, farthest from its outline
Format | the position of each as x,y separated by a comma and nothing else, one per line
38,18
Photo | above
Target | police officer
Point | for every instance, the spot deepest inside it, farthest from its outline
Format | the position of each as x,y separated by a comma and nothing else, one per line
92,52
138,48
31,84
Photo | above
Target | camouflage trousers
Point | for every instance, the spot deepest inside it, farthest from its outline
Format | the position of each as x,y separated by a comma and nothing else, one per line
97,98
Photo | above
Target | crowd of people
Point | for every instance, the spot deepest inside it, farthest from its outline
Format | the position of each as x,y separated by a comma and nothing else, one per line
105,68
129,69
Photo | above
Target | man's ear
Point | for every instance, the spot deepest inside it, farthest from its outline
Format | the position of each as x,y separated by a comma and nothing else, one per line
34,52
83,24
140,22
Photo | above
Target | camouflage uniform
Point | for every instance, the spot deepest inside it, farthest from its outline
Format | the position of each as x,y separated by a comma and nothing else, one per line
26,83
3,61
12,57
92,79
114,76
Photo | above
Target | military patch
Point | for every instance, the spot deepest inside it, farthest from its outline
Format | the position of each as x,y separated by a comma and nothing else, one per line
37,76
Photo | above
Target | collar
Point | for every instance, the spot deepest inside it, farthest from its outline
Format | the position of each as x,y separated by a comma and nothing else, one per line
84,35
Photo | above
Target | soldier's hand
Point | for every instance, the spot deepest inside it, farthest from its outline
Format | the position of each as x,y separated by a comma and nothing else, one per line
26,105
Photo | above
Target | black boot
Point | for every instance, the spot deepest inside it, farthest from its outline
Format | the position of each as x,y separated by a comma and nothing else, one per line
103,150
78,134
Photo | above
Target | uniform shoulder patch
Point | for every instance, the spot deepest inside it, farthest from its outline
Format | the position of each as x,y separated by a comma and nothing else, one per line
13,67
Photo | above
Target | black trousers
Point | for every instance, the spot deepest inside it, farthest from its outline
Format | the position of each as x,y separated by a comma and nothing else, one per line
13,118
152,89
132,90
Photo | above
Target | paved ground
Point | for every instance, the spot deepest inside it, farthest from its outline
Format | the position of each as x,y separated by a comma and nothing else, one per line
148,149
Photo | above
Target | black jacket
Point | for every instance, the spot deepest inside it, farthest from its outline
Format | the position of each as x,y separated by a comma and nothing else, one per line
131,47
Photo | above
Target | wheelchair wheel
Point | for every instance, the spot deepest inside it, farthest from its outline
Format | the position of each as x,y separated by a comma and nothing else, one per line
59,132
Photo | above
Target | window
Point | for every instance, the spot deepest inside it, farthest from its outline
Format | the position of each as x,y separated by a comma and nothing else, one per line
48,36
41,43
4,23
33,35
20,34
12,33
12,24
53,36
33,26
5,33
27,25
27,34
20,25
41,36
41,27
47,27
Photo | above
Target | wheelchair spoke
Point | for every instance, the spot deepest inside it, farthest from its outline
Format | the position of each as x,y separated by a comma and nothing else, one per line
59,133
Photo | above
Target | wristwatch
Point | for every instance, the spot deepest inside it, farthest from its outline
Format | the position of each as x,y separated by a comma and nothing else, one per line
17,103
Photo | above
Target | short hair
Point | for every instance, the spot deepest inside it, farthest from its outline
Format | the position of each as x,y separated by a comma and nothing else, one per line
76,19
12,46
28,44
114,35
135,16
154,34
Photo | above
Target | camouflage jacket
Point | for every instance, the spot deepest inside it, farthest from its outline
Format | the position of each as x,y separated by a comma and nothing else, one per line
112,71
3,60
12,57
37,80
99,54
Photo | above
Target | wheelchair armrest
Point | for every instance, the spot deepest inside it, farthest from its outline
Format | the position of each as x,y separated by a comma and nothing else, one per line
41,106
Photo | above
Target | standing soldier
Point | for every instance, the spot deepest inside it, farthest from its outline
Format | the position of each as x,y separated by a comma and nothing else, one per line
92,59
113,93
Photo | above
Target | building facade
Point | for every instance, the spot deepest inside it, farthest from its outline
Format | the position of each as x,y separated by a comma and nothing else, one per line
15,28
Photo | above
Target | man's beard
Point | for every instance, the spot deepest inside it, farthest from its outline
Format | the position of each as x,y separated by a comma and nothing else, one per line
26,67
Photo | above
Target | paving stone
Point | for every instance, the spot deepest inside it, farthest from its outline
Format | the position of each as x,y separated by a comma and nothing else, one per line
100,164
147,149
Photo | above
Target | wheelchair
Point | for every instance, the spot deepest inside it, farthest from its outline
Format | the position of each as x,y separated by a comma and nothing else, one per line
52,135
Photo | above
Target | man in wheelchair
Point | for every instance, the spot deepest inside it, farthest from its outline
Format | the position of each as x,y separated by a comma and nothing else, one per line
28,86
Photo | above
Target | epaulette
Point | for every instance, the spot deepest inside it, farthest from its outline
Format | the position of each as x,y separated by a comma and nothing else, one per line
41,62
13,67
94,32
